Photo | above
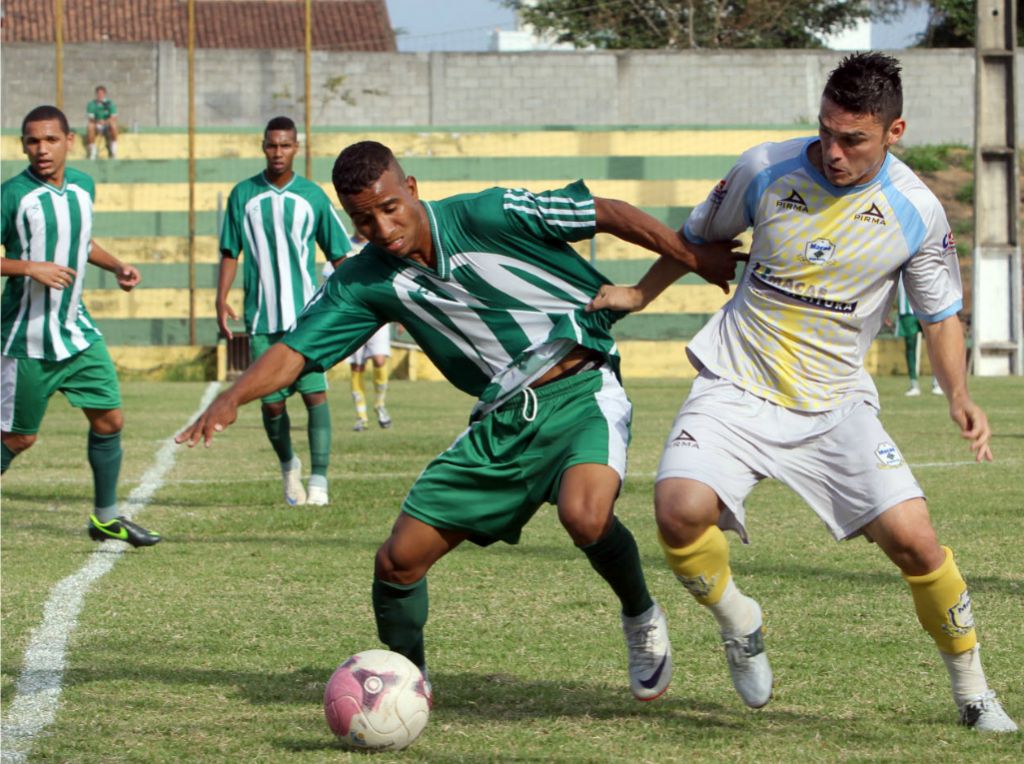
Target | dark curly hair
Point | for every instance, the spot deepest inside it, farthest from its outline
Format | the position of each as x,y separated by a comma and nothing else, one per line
867,83
44,114
360,164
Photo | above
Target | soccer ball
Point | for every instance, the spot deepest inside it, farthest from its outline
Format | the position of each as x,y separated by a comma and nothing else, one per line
377,700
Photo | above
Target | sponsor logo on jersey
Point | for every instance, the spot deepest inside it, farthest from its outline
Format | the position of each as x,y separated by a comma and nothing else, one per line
685,439
819,251
961,618
801,290
888,456
871,215
718,193
793,202
948,243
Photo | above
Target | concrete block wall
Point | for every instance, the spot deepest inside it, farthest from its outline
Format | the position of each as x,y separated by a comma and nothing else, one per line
243,88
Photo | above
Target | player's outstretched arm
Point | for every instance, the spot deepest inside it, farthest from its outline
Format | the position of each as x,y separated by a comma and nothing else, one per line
715,261
225,278
277,368
48,274
128,276
945,342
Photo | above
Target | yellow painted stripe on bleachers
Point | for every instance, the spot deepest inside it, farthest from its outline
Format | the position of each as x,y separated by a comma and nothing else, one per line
611,248
155,303
451,144
173,197
159,250
173,303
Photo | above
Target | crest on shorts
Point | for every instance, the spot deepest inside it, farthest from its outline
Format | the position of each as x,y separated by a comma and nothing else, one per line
888,456
684,439
961,618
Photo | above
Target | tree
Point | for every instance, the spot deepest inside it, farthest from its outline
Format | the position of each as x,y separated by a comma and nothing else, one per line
677,24
952,24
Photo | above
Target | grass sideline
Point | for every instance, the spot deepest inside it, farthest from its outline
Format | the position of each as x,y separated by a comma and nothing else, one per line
214,646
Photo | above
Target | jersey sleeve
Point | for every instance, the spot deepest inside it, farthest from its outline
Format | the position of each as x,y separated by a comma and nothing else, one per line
565,214
931,277
330,231
334,324
231,232
729,209
112,108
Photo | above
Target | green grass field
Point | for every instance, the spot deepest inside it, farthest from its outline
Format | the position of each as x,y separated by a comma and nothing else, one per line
215,645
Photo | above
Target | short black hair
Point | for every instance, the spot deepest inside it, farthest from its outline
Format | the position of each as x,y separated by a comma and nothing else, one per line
43,114
867,83
280,123
360,164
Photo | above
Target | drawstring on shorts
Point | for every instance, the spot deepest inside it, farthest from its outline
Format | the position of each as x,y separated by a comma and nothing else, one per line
529,404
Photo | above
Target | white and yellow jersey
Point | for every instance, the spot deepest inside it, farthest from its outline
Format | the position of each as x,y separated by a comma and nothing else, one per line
823,267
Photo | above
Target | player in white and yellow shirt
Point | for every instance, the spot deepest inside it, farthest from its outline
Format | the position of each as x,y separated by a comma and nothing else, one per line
782,390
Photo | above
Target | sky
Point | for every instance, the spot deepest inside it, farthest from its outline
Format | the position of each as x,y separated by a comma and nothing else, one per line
456,25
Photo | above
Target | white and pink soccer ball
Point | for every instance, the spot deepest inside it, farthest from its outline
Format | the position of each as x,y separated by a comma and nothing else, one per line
377,700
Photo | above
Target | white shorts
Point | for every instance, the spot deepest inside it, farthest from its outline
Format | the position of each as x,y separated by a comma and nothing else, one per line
378,344
841,462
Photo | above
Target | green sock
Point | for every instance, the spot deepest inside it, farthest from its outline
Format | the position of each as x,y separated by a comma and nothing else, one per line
617,559
105,459
279,431
319,430
7,457
401,613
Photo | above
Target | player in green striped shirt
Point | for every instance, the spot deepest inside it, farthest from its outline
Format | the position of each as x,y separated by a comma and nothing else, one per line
49,342
277,219
489,287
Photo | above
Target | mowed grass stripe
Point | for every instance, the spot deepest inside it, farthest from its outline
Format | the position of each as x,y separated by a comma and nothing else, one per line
434,142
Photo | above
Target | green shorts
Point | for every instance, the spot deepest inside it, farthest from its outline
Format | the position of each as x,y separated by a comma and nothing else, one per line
310,382
87,379
907,326
492,480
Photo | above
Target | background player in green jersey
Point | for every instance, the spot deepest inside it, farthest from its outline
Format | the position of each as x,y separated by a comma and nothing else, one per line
49,342
277,218
490,289
909,328
101,119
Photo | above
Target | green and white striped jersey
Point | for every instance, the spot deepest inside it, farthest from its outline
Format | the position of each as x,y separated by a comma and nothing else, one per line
505,303
278,230
47,224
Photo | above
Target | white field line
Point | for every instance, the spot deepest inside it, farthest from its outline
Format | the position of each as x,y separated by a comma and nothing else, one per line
39,685
368,474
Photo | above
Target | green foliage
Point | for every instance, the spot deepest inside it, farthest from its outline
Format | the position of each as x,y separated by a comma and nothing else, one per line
965,194
935,157
679,24
214,646
953,22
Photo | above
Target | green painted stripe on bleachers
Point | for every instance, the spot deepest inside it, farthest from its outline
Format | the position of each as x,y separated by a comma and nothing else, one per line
659,326
156,331
485,169
174,331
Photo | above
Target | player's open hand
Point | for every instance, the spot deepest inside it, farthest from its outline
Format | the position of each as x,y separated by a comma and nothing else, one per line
217,417
51,274
974,427
225,312
717,260
625,298
128,277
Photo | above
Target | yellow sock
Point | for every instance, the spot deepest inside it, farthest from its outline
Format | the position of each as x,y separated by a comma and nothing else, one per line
359,393
703,566
943,606
380,385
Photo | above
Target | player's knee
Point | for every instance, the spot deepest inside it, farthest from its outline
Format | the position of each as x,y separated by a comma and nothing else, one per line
107,422
683,510
586,522
19,441
394,567
275,409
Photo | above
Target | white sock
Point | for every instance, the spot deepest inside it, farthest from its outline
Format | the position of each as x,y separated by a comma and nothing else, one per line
92,151
290,465
318,481
736,613
113,149
966,675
